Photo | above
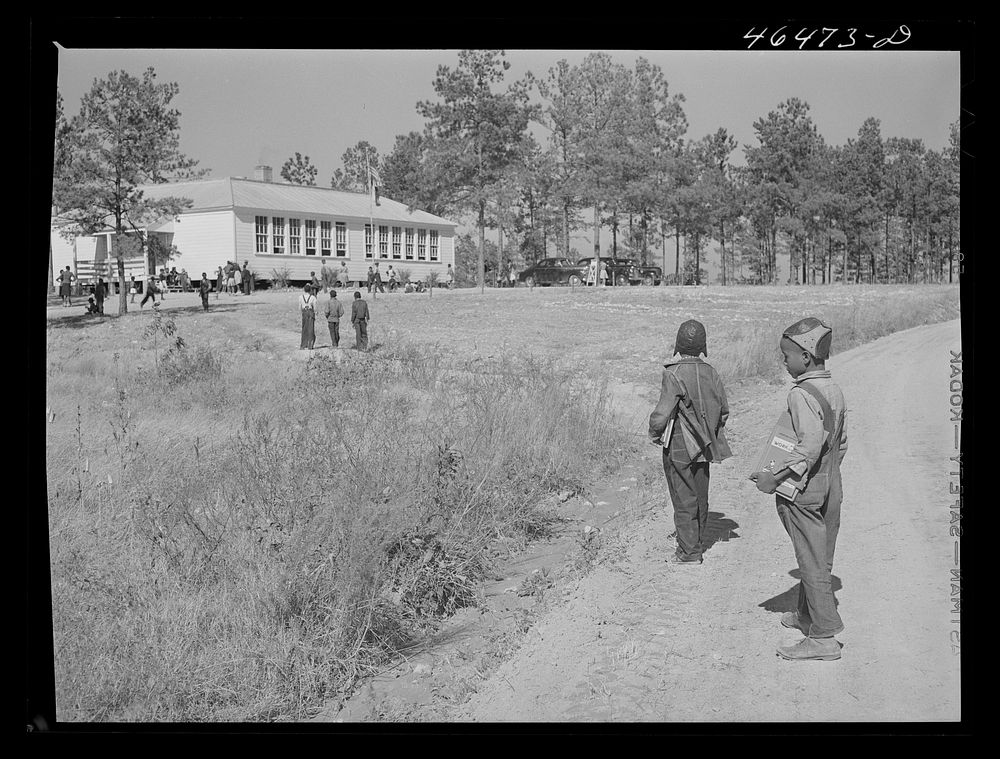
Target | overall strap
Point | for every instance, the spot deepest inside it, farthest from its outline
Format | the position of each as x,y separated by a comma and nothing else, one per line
831,426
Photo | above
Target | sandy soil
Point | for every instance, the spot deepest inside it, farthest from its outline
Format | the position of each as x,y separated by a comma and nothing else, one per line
635,639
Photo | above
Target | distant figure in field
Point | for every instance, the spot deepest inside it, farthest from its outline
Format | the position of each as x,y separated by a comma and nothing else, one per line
230,278
99,292
237,280
204,288
511,275
333,311
377,280
247,279
371,278
151,291
132,288
393,279
92,307
604,273
220,281
314,283
360,318
307,305
449,277
343,277
66,280
326,276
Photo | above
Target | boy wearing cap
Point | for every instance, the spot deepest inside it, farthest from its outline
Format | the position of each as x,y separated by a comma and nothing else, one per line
818,412
689,422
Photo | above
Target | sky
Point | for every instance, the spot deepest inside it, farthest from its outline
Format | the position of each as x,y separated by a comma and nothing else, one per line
241,108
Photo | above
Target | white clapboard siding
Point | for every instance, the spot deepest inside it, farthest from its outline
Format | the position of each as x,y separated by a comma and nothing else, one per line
205,241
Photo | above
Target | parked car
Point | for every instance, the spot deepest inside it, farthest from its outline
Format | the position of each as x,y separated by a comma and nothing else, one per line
620,270
647,275
552,271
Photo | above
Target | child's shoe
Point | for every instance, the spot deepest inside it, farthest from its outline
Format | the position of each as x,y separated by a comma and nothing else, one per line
811,649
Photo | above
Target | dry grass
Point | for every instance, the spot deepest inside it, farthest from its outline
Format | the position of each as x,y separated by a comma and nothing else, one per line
238,536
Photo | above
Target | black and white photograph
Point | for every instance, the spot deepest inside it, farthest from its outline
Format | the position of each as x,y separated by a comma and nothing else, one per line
572,383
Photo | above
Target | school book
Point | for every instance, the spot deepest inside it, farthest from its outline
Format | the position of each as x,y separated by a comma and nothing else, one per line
775,454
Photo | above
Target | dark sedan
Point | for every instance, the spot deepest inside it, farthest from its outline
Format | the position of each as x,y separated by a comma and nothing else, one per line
552,271
621,271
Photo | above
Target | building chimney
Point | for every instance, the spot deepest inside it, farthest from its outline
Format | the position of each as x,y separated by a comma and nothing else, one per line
262,173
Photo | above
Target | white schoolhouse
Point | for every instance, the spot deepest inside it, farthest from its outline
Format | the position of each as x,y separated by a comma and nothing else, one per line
274,227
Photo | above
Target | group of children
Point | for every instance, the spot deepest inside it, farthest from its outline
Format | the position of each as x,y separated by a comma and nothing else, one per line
334,312
689,423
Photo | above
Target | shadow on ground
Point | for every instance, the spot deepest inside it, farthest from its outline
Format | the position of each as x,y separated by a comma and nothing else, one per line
788,601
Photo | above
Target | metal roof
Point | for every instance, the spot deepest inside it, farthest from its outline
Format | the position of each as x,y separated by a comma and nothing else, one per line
237,192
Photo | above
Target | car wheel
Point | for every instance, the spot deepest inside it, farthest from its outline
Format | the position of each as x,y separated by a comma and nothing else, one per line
648,280
575,281
529,281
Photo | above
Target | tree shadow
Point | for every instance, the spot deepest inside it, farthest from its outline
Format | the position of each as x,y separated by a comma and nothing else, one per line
718,529
789,600
80,320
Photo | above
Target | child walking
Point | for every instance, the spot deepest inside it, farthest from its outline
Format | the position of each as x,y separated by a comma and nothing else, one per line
689,422
204,287
818,413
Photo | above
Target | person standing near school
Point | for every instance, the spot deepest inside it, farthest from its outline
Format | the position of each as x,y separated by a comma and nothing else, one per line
604,273
393,279
333,310
100,291
359,318
377,280
230,278
307,305
449,277
132,289
66,280
812,520
326,276
220,282
247,279
204,288
237,279
343,277
371,278
689,422
150,292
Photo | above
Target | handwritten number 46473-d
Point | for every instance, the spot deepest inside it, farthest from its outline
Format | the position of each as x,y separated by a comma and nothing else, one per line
778,37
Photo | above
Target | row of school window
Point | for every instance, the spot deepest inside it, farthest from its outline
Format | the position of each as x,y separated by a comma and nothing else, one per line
409,243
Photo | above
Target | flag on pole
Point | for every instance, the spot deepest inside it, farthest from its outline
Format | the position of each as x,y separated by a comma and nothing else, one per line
375,183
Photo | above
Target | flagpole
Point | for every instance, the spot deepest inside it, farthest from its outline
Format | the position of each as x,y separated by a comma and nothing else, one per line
371,217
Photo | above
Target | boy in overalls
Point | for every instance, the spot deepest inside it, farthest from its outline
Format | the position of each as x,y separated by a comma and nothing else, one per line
689,421
818,411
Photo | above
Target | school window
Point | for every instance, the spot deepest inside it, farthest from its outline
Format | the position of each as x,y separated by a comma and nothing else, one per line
383,241
341,239
310,237
434,245
278,235
409,243
260,223
324,238
369,243
397,242
294,236
422,244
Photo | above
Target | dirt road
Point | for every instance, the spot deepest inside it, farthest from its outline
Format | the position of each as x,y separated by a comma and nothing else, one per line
640,640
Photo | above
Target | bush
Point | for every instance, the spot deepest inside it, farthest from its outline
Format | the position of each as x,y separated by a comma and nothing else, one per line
251,579
281,277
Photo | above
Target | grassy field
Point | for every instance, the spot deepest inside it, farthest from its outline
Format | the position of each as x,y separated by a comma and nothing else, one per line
239,530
